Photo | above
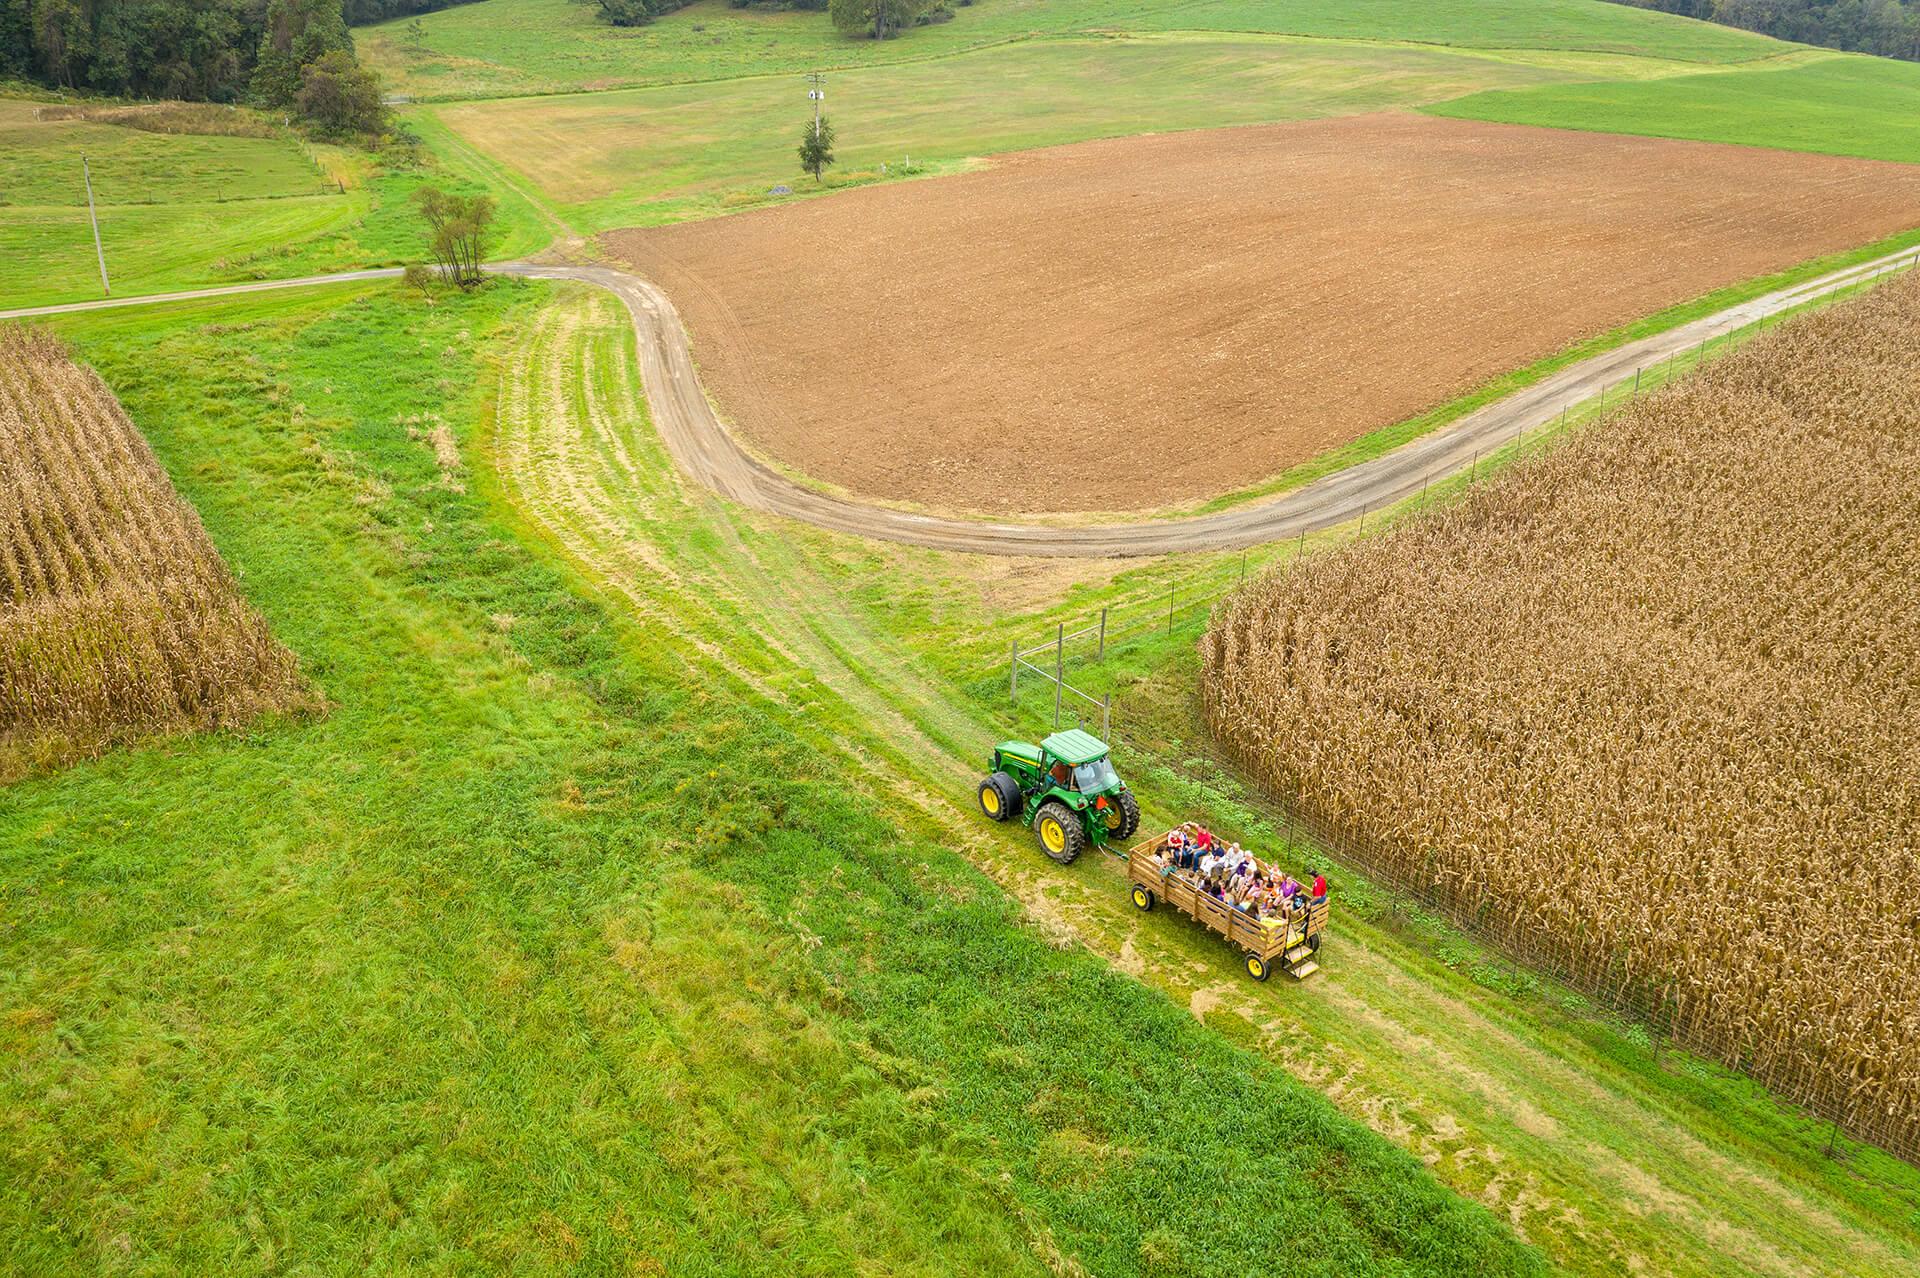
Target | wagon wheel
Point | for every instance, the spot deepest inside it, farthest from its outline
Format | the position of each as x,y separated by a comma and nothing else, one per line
1060,834
1258,967
1142,898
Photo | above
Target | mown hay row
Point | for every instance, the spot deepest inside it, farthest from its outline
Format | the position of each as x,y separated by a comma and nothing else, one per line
1650,706
117,615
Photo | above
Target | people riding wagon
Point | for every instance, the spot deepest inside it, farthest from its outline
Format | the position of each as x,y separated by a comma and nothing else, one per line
1257,904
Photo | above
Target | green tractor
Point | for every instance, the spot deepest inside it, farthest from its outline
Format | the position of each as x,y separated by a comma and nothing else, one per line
1064,789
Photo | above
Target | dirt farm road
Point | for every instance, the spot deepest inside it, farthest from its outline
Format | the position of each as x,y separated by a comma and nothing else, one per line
709,453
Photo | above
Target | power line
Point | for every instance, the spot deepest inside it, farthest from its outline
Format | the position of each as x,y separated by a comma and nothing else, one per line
817,94
87,171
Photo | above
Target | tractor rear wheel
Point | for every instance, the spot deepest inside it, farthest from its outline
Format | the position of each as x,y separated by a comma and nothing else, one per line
1000,797
1059,830
1122,816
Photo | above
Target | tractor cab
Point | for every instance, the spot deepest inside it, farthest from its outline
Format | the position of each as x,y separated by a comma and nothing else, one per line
1065,788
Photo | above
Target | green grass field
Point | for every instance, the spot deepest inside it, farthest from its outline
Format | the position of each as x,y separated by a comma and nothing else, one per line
1842,105
182,211
627,912
511,47
609,919
521,958
713,128
645,156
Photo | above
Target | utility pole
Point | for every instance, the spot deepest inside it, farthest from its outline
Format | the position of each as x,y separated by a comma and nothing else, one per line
99,252
818,94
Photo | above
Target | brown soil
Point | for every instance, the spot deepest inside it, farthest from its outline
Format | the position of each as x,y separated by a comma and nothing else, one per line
1137,323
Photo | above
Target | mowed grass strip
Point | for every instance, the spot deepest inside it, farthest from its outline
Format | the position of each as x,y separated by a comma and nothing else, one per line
1843,105
516,47
551,948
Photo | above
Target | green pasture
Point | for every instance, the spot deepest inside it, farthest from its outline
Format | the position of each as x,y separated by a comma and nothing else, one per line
551,948
645,156
513,47
181,211
1837,105
40,164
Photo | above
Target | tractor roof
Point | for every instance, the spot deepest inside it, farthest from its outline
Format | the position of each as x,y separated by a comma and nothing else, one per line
1074,746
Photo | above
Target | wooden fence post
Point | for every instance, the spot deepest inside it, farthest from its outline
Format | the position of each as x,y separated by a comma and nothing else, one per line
1059,671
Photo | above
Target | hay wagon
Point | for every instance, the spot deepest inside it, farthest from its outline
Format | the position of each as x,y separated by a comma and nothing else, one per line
1267,944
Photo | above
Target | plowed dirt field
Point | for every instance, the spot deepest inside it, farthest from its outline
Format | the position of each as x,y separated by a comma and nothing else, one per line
1132,324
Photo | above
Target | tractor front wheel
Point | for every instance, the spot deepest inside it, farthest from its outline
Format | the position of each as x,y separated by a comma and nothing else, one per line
1000,797
1059,830
1122,816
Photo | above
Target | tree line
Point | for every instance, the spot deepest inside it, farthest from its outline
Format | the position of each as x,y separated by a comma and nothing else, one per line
1890,28
635,13
198,50
876,18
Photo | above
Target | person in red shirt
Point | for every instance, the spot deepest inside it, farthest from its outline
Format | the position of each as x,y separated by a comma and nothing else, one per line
1319,888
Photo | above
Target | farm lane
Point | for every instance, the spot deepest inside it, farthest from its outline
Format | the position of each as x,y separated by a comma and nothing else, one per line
196,294
709,453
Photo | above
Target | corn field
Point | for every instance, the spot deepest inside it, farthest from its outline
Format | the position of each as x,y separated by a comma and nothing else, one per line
1646,710
117,615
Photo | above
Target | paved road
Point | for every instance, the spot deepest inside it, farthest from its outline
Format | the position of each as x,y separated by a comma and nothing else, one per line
707,452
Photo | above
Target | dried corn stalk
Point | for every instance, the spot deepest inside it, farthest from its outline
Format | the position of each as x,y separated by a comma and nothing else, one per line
1650,706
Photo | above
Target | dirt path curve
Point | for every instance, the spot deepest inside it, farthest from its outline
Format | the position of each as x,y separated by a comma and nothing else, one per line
708,453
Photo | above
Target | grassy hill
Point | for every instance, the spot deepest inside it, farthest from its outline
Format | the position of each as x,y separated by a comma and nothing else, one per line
697,113
215,198
508,47
1837,105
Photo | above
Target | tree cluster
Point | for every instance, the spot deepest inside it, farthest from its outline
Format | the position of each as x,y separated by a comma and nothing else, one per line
461,227
884,18
194,50
361,12
1890,28
634,13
